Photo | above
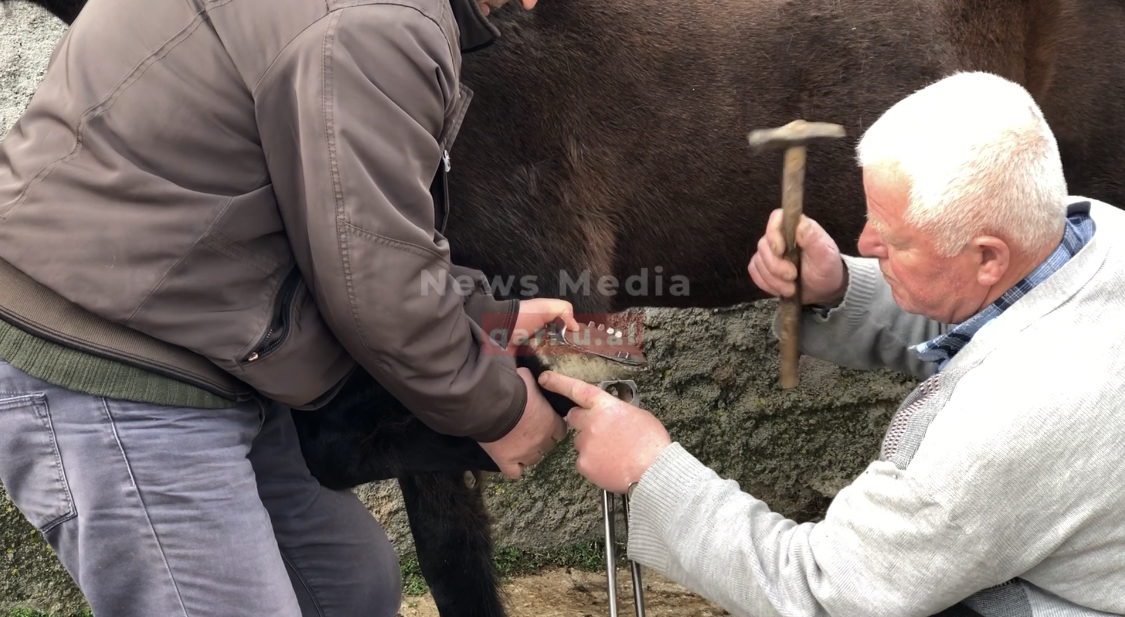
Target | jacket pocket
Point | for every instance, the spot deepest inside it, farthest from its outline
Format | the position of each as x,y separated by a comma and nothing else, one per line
30,463
298,361
439,187
439,190
281,321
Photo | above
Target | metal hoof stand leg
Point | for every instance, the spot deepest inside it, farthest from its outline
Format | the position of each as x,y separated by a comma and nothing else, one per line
625,390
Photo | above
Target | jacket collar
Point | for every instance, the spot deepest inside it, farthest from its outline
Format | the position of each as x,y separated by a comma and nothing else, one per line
476,32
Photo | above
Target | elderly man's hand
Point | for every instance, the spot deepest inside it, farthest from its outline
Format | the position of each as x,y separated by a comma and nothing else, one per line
616,442
823,276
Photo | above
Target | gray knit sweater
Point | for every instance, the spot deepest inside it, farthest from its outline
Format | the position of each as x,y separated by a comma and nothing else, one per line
1002,481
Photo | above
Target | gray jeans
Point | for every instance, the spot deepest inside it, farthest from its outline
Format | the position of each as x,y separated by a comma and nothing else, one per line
174,511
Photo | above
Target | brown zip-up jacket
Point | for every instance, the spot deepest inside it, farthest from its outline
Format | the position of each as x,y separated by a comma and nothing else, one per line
261,184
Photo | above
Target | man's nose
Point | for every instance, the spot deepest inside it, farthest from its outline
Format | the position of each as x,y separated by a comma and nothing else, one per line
870,245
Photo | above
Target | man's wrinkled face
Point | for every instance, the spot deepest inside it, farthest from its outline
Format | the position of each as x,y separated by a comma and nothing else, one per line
487,5
921,281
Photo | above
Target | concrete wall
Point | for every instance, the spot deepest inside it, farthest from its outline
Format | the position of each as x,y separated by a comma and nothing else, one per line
713,382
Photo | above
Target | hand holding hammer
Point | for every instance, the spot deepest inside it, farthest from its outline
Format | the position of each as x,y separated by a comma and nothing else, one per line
794,137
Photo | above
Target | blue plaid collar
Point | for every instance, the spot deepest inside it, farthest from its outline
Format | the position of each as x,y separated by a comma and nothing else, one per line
1079,229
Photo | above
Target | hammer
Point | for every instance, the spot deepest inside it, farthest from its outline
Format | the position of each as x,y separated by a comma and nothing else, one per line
794,137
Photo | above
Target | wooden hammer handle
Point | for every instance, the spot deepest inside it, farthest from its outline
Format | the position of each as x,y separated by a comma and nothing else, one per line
791,206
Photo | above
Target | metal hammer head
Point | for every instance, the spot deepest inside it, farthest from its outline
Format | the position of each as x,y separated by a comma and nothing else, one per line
796,133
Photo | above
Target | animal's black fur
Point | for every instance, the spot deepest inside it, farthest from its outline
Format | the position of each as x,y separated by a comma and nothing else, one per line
452,539
366,435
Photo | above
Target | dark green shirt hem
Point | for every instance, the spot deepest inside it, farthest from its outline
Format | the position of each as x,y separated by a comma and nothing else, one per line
83,372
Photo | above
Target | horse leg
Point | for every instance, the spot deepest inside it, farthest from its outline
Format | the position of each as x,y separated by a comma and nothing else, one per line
453,541
447,518
366,435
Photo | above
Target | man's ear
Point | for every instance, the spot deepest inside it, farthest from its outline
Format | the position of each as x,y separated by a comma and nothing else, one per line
994,259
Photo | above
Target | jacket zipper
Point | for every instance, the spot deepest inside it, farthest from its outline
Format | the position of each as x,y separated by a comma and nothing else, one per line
280,322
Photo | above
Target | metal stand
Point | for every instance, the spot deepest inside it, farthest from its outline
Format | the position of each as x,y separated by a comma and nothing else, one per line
634,567
625,390
610,556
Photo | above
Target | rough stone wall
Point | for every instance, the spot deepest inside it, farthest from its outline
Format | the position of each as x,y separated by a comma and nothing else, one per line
27,38
713,382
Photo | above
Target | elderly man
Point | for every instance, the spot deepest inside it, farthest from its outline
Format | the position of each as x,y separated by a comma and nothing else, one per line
998,488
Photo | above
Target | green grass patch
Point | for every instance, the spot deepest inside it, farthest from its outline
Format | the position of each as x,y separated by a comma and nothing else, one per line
412,582
27,612
512,562
588,556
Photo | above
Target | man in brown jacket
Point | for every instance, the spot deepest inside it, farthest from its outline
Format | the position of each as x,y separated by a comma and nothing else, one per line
213,211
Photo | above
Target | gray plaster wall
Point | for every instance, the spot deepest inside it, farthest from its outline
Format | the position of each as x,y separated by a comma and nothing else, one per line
713,382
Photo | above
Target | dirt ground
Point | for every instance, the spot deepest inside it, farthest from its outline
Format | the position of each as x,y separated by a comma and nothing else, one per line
566,592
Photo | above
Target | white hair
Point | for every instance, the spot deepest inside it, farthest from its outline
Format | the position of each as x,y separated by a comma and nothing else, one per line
980,159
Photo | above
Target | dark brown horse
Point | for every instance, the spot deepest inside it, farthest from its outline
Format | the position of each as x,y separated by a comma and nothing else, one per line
611,135
608,138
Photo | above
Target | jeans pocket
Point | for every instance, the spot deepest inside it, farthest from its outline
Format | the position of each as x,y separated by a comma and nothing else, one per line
30,464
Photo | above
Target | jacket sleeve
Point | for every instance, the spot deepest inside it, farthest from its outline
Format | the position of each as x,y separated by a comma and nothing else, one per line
351,116
867,330
496,317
